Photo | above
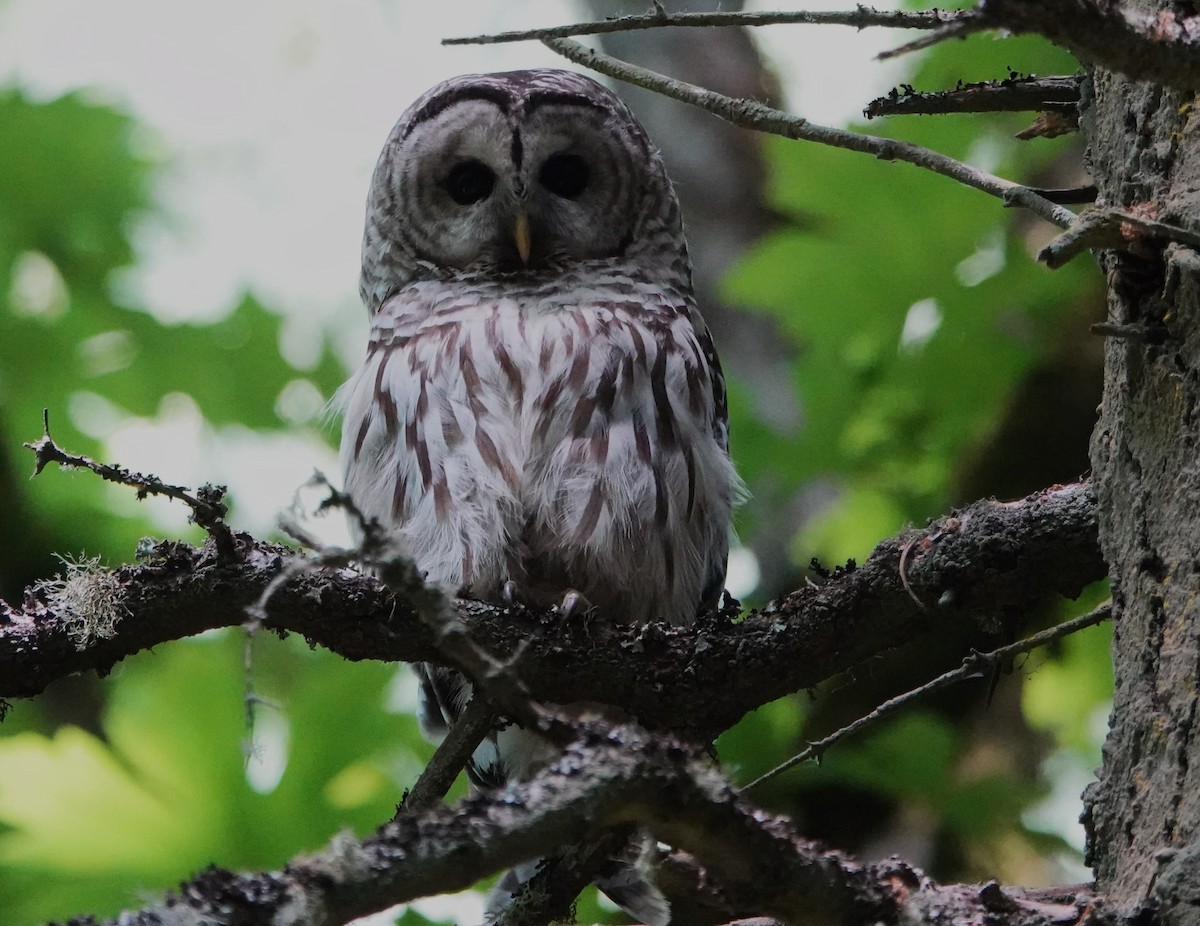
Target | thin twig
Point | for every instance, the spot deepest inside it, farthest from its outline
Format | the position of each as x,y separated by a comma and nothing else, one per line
1134,332
859,18
752,115
972,667
452,754
971,22
207,505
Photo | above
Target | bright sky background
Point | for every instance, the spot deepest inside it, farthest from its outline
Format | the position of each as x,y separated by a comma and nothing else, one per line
269,116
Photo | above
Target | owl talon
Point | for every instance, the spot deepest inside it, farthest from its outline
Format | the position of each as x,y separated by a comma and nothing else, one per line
573,603
512,594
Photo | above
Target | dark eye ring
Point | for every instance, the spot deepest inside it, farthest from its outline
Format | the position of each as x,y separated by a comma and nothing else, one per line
469,182
565,175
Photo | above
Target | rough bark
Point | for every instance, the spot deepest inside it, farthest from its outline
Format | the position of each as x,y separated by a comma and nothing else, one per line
1145,810
988,566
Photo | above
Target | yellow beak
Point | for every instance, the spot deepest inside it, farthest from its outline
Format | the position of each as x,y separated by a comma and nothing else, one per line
521,237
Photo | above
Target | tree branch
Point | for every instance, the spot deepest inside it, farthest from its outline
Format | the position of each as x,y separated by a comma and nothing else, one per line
612,776
1124,229
1011,94
860,18
1162,48
986,566
207,505
751,115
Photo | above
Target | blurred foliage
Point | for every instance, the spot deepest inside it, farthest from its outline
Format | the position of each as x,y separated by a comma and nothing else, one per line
72,187
166,791
916,310
920,318
141,779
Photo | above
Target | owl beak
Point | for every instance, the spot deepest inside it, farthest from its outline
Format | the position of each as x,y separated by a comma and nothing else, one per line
521,237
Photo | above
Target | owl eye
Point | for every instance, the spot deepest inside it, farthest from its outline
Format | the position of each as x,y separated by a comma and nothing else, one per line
565,175
469,182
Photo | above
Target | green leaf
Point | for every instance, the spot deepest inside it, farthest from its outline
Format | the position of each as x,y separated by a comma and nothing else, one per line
97,823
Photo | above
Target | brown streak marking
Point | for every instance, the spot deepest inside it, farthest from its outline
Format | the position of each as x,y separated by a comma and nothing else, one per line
546,354
399,496
510,370
422,398
640,437
606,388
415,438
468,564
441,496
663,413
690,459
662,503
639,347
451,430
591,515
549,397
422,452
582,417
492,457
695,389
579,371
600,446
471,380
362,435
383,395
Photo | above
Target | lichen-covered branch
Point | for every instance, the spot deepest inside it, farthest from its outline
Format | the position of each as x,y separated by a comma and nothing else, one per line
986,566
611,777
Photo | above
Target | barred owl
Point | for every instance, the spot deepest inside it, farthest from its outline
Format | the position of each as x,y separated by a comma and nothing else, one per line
541,411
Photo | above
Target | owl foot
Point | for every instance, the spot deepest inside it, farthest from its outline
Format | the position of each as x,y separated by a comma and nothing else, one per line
573,603
513,594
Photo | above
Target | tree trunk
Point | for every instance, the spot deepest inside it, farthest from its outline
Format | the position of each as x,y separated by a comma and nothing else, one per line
1145,810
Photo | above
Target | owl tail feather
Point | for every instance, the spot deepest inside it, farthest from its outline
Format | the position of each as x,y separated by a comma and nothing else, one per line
628,887
630,890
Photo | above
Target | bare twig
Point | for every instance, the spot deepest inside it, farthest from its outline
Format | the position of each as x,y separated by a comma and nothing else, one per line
972,667
752,115
970,22
207,505
1134,332
1050,124
452,754
860,18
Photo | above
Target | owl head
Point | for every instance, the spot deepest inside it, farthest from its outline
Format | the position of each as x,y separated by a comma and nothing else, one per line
519,173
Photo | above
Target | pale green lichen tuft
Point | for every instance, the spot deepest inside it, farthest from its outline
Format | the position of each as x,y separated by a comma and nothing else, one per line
87,598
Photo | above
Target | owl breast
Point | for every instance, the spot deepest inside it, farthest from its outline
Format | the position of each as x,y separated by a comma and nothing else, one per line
560,441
